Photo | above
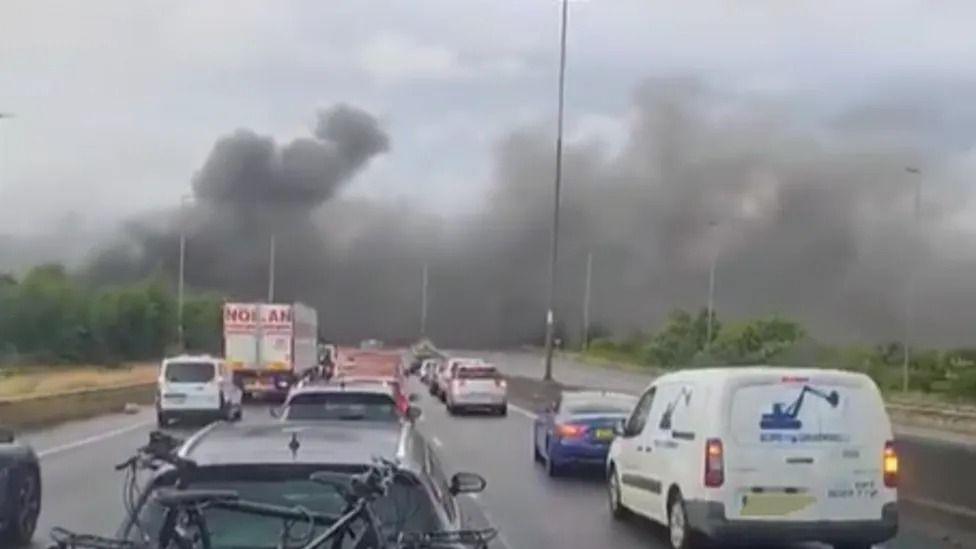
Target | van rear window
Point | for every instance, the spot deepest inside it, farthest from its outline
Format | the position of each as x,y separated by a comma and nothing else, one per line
189,372
797,413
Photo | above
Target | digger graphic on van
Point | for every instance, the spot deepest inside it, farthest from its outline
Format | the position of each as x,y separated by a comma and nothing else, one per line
785,423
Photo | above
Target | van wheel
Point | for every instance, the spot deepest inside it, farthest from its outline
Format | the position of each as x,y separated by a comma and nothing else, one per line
678,533
617,509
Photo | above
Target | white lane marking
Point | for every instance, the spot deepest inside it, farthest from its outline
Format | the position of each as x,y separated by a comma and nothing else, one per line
522,411
437,442
947,508
93,439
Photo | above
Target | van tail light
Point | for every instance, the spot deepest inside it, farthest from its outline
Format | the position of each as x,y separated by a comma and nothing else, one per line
569,430
890,465
714,463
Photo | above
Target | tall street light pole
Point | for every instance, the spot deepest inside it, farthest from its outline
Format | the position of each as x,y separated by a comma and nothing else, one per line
180,282
3,116
271,270
423,303
586,301
910,291
710,312
554,243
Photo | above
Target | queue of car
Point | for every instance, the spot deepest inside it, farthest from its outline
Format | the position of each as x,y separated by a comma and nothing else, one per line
768,455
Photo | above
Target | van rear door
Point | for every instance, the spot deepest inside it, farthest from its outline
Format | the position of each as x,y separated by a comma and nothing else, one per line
806,447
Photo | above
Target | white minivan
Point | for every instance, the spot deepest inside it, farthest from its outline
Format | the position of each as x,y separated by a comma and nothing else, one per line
196,386
759,455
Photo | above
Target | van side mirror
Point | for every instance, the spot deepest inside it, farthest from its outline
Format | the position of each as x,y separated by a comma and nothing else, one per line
467,483
413,413
6,436
620,429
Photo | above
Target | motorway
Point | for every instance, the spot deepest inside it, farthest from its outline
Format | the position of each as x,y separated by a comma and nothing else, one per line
532,511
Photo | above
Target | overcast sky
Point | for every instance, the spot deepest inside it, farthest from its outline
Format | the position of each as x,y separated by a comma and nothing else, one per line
118,103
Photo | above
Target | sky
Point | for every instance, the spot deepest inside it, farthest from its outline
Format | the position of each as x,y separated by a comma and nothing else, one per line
678,115
118,102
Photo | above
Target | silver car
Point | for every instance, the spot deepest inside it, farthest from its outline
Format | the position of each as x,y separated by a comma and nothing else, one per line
476,386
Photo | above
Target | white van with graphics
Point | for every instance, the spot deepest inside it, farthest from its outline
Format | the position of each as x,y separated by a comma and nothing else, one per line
196,386
759,455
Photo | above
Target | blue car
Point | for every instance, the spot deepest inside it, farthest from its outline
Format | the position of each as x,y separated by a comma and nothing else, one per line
578,429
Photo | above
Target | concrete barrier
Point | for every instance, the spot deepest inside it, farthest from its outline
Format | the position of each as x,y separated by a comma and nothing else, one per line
40,410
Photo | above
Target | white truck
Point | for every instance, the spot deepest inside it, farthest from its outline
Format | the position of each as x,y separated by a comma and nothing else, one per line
270,346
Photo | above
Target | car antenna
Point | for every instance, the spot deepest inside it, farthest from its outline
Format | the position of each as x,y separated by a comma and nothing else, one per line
294,445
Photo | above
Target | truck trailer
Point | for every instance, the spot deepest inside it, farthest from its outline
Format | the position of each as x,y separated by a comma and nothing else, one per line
270,346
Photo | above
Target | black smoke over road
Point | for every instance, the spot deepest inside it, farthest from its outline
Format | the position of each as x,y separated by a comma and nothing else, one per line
812,219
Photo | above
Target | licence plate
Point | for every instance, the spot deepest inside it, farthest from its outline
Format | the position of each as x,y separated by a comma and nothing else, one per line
603,434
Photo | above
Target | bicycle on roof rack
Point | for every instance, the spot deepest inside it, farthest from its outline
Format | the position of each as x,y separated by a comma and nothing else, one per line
185,524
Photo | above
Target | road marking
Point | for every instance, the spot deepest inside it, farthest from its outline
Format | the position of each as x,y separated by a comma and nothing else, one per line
93,439
943,507
437,442
522,411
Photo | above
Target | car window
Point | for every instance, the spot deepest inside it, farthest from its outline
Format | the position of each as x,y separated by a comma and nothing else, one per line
344,406
441,486
605,405
638,418
189,372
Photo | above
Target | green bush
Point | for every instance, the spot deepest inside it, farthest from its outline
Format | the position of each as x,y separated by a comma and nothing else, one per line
48,318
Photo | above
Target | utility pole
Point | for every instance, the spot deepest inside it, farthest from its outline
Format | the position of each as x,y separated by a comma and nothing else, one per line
909,293
3,150
710,310
423,303
271,270
180,282
586,301
554,244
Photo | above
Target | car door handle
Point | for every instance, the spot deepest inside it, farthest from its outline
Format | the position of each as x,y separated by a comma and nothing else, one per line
643,448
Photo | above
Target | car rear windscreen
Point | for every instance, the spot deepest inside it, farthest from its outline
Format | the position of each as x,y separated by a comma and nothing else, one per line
795,414
615,406
189,372
342,406
477,373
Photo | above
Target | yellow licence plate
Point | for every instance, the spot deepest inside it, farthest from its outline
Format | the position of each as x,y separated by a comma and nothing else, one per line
603,434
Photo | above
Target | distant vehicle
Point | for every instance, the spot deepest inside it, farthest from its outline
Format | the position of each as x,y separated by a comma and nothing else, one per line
352,401
20,491
477,386
427,370
274,463
759,455
196,387
578,428
370,344
270,346
445,373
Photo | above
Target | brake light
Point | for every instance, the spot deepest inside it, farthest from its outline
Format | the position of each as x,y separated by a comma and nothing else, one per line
714,463
569,430
890,465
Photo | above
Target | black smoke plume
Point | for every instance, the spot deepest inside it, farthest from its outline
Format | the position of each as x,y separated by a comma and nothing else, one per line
812,219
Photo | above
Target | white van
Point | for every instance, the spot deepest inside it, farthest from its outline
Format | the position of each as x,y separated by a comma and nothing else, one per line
759,455
196,386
